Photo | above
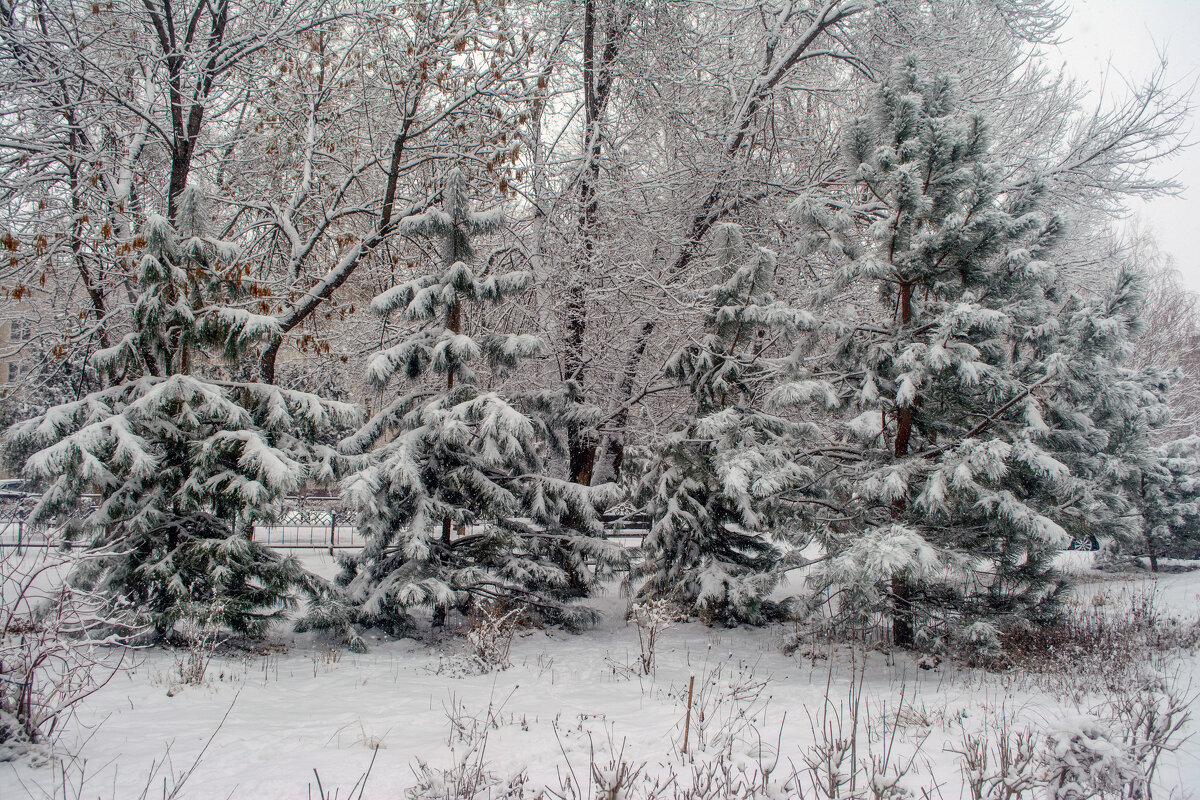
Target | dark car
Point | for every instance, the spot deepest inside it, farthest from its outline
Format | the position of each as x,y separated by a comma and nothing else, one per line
14,489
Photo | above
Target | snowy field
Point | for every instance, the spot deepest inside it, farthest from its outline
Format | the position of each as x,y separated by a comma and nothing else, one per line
271,724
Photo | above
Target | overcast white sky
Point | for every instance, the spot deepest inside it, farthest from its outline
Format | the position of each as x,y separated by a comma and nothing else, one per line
1124,36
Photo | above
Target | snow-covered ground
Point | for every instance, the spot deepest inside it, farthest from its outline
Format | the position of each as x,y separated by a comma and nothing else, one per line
279,719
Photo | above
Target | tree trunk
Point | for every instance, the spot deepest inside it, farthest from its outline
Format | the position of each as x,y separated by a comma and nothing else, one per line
582,452
1151,553
597,83
903,632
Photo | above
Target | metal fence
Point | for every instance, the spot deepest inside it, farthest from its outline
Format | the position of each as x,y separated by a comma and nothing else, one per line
311,522
306,522
325,523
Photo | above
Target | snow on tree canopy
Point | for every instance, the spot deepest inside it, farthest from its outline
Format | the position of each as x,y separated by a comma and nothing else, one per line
716,490
979,429
451,484
184,464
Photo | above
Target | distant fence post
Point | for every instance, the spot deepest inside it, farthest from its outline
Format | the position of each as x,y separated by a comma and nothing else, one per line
20,533
332,531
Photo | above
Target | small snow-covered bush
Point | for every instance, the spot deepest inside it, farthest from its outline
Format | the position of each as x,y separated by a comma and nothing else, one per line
1150,714
611,778
1085,758
469,775
467,779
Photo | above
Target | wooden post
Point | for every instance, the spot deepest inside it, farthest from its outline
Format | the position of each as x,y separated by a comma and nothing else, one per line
687,723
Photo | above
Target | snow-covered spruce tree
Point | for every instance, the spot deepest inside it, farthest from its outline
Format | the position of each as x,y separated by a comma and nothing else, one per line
454,499
715,489
1157,481
183,464
978,446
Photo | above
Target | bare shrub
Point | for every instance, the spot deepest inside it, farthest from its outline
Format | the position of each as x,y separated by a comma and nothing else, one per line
58,645
859,750
728,706
884,767
467,778
614,778
848,758
830,759
360,784
721,777
1112,657
999,762
490,634
736,767
468,774
202,633
1099,646
1150,716
164,780
327,657
652,618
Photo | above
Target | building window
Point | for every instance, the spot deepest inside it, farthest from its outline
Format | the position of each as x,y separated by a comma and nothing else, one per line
19,330
14,371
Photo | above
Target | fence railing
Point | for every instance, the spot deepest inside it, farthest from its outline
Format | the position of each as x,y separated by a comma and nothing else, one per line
17,531
306,522
311,522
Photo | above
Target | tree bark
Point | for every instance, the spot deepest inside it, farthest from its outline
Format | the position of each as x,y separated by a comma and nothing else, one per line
597,83
903,630
1151,552
185,131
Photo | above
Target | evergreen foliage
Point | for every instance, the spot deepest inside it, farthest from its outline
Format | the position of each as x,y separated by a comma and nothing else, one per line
1162,482
987,402
1170,502
183,465
716,490
1155,508
455,501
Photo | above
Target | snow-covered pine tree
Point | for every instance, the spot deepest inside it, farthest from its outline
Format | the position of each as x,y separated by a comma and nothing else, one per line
1170,502
183,465
716,489
972,424
454,499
